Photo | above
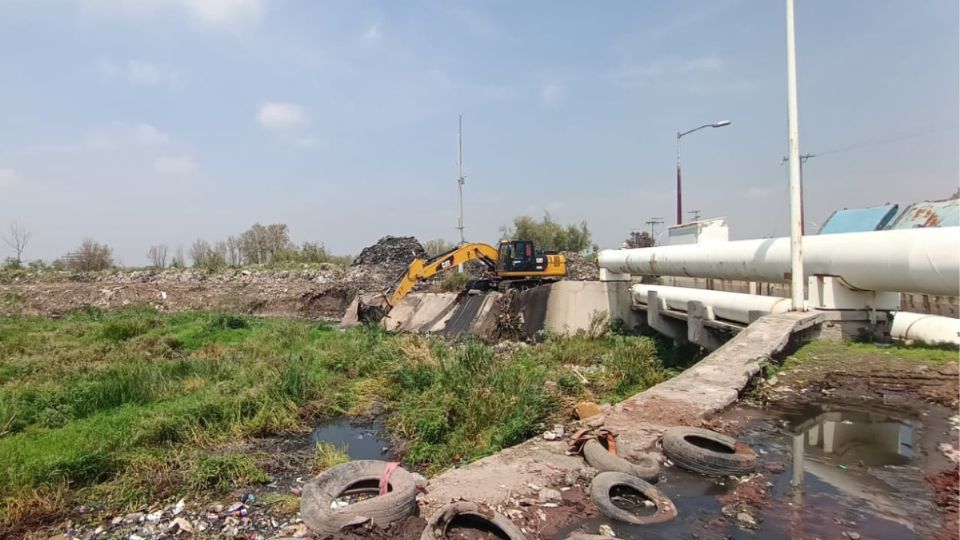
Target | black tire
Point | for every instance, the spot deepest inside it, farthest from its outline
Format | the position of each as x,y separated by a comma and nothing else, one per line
320,492
441,519
601,459
600,495
708,452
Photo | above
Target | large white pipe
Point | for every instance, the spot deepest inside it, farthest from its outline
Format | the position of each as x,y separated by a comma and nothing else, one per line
932,329
725,305
925,261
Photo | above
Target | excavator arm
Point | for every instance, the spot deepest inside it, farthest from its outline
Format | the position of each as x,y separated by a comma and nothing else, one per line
427,268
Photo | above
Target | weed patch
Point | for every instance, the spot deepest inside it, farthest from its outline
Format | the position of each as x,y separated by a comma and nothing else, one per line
117,407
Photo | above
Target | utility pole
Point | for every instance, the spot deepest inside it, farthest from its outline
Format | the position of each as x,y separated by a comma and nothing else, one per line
803,159
461,179
793,138
653,222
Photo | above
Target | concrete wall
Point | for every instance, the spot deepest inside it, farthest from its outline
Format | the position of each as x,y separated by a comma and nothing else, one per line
572,305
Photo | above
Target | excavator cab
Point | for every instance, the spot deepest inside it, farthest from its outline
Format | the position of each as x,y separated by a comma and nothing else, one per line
520,256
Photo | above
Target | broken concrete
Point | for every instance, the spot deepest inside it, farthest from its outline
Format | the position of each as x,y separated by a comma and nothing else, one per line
421,312
710,386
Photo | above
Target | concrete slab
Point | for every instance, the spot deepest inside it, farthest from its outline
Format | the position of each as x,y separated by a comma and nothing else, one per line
419,312
708,387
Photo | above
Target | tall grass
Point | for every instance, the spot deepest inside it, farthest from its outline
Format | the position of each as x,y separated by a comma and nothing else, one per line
95,400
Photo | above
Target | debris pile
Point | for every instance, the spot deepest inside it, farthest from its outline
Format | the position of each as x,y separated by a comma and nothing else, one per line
581,268
394,252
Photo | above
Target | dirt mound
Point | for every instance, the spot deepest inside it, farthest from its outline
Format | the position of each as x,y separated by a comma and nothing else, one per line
391,251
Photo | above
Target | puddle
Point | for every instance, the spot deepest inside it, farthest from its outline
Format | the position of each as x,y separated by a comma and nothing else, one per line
368,441
844,469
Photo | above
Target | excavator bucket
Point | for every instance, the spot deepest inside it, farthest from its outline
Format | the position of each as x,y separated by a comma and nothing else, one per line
365,308
372,307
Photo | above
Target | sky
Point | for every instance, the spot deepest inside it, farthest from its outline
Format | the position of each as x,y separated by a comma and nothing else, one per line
140,122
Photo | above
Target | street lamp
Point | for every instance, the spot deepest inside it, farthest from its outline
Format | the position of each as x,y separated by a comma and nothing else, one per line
722,123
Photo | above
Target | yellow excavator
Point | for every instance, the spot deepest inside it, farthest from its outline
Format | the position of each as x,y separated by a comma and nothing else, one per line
513,263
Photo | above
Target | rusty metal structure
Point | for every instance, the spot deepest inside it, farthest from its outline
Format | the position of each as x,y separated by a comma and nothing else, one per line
945,213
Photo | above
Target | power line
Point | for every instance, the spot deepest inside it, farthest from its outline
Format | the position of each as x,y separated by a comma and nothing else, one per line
881,142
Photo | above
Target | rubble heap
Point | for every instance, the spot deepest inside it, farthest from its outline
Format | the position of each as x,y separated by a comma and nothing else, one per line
581,268
391,251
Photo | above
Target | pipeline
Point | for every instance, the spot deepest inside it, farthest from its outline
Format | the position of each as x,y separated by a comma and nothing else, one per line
930,329
921,261
730,306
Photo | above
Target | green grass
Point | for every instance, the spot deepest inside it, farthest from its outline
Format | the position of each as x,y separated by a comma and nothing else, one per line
819,352
119,408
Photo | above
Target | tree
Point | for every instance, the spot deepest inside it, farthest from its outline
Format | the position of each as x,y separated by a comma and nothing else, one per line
178,261
548,234
18,238
259,244
639,239
89,257
234,251
158,255
208,256
436,247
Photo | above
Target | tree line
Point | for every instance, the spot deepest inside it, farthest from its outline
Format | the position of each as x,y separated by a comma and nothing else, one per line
271,245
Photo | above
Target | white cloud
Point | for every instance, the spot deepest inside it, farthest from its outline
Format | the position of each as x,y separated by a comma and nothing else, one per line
121,134
552,93
214,13
175,165
374,33
9,178
138,73
279,116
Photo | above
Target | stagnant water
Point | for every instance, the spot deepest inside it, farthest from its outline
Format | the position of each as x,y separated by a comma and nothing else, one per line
362,441
845,469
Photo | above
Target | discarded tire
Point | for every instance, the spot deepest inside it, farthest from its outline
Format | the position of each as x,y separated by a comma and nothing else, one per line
439,522
604,482
601,459
708,452
352,478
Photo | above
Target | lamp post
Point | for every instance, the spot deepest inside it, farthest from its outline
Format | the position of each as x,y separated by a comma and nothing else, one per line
719,124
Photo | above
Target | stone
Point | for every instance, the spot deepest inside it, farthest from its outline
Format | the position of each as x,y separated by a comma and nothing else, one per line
595,421
587,409
549,436
133,517
181,524
746,520
606,530
550,495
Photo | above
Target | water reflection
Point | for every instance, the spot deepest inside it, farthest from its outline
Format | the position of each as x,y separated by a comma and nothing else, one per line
849,450
361,442
848,438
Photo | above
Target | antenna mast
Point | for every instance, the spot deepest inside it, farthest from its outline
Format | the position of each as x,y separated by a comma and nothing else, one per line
460,178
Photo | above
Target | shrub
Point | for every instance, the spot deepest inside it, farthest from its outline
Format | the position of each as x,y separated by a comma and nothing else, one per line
89,257
454,282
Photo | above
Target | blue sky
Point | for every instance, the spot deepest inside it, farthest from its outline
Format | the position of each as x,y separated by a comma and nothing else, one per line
138,122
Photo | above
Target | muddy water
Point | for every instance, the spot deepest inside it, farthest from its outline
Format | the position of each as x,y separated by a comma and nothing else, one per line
844,470
361,441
